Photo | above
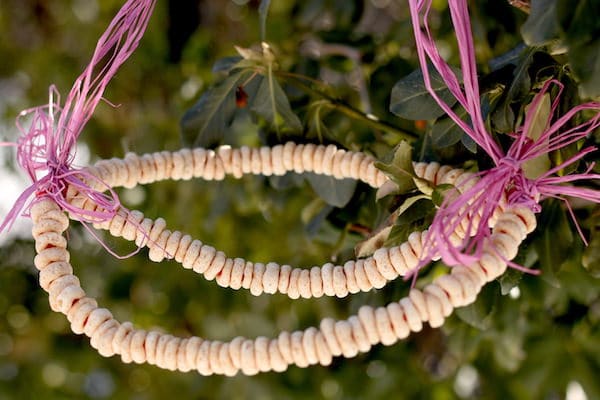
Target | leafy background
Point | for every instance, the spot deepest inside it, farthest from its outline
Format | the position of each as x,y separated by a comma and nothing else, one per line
334,72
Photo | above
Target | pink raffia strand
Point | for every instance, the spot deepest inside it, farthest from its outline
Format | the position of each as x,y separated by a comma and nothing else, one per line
46,148
506,182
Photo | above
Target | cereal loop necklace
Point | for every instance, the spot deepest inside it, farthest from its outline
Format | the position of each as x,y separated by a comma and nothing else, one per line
302,348
477,236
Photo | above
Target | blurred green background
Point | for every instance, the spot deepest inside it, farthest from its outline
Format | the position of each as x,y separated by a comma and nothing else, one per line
538,338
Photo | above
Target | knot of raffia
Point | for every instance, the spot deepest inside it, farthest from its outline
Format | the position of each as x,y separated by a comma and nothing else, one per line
46,151
519,189
507,182
46,148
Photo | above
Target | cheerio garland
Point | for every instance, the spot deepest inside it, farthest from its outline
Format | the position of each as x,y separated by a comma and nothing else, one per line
46,152
329,279
347,338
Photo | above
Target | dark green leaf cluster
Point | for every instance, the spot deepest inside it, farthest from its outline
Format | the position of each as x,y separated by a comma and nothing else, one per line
570,28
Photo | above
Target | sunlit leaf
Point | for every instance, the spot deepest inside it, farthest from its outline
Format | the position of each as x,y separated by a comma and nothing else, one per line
249,54
388,188
375,240
540,117
400,169
414,214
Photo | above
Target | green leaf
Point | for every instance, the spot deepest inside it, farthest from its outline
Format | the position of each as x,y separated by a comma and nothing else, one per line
508,349
526,257
469,143
414,214
335,192
521,83
375,240
441,191
503,117
511,57
226,64
314,216
480,313
271,103
591,256
206,122
542,24
263,10
413,209
445,132
578,283
400,169
553,242
537,166
579,21
586,67
411,100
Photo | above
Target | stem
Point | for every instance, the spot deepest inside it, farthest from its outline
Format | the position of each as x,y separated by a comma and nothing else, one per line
338,105
272,97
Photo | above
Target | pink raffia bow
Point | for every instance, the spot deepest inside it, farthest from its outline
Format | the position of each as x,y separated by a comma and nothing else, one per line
507,180
46,149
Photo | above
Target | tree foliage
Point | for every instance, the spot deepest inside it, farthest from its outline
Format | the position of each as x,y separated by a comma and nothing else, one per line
316,71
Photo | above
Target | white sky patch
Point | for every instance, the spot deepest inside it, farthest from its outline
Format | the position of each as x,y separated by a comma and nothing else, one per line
467,380
575,391
86,10
82,155
13,183
190,88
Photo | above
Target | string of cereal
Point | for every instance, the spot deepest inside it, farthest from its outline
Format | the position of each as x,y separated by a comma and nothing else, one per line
314,345
386,264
